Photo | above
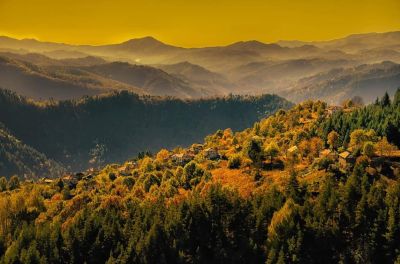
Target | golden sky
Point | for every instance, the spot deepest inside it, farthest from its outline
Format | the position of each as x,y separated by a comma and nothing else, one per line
195,23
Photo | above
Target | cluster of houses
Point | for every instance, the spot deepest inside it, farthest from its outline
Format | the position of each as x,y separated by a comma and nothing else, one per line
72,179
126,169
185,157
388,165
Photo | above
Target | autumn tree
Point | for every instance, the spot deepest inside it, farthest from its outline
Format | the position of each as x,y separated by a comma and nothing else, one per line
235,161
333,139
316,145
192,174
272,150
3,184
368,149
162,155
150,180
384,147
254,151
13,183
359,136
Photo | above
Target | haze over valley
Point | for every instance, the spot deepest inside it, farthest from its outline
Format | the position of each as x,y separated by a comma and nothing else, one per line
364,65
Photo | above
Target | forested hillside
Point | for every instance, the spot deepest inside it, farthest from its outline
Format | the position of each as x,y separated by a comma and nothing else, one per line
336,85
98,130
16,158
290,189
383,116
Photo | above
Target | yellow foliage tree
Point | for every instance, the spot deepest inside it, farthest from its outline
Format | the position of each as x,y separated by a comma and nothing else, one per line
332,140
384,147
162,155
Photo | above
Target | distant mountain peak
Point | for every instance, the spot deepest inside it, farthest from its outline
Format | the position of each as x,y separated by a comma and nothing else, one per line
248,43
4,37
146,44
145,40
253,45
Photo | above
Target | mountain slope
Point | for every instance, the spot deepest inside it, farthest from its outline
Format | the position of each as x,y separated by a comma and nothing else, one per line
38,75
43,60
16,158
151,80
116,127
145,50
334,86
272,76
354,43
273,193
56,82
197,75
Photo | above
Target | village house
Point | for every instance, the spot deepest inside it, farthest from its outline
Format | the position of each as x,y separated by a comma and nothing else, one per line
346,159
130,165
182,158
327,153
67,177
124,170
46,180
292,151
211,153
88,177
330,110
91,171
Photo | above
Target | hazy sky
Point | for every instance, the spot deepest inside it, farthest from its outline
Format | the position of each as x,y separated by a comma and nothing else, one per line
194,23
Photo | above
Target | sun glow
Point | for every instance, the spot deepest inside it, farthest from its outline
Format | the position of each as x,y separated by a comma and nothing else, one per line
194,23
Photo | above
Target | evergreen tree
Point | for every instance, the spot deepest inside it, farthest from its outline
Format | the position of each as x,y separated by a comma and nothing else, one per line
13,183
396,99
293,188
3,184
385,100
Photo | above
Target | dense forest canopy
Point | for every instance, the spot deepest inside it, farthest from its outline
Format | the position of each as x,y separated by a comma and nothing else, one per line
382,116
97,130
293,188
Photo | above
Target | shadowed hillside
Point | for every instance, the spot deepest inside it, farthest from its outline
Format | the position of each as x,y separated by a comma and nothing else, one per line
16,158
57,82
110,128
151,80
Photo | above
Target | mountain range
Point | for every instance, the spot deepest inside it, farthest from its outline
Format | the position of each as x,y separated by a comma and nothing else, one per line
148,66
